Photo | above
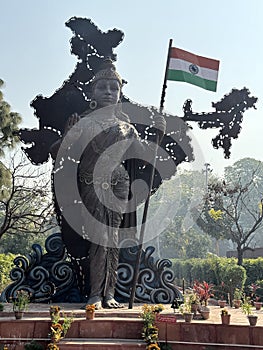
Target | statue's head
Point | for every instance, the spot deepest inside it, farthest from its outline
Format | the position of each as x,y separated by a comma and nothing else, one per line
106,86
107,71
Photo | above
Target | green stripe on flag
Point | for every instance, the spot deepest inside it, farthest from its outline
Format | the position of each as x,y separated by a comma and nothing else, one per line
178,75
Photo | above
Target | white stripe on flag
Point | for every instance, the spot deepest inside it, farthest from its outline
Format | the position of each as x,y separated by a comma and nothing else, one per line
205,73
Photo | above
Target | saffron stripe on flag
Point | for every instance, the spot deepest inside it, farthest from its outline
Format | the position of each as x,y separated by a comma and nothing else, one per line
194,59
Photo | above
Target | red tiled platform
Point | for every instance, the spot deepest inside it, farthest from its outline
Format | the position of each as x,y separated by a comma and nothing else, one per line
121,329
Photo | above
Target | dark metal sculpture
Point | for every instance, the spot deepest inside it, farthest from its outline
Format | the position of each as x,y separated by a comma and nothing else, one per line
91,46
47,277
228,116
51,277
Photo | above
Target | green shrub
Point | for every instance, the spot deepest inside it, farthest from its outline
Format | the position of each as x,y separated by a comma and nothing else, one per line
224,273
234,277
6,264
254,268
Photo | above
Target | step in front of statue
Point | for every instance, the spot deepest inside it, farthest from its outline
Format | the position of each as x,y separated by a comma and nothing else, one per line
121,344
180,345
30,328
132,344
126,333
101,344
77,343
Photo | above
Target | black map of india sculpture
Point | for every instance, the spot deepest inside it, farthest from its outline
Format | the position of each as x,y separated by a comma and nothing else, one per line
50,277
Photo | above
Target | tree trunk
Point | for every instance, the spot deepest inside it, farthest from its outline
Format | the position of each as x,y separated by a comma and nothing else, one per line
239,256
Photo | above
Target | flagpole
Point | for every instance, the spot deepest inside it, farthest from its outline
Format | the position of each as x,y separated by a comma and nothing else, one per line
145,211
165,77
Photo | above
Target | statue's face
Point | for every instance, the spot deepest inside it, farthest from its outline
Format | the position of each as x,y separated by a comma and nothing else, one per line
106,92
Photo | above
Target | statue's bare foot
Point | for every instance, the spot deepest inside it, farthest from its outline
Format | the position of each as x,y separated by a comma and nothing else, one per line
111,303
96,300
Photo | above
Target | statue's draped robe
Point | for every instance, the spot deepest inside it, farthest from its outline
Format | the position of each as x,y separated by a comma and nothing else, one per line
105,173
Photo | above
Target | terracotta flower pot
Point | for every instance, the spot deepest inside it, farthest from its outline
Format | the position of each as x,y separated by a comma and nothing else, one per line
194,308
236,303
205,312
90,315
188,317
225,319
252,319
257,305
19,315
222,303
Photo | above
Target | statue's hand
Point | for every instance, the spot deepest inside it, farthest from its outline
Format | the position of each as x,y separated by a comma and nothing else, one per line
160,126
71,134
72,120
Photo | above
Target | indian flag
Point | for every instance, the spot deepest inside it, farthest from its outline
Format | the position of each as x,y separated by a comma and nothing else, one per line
193,69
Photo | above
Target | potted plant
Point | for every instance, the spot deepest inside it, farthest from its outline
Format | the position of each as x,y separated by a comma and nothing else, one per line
194,301
176,303
225,316
186,309
247,310
237,298
59,329
54,312
204,292
150,332
56,332
222,303
20,303
257,303
90,311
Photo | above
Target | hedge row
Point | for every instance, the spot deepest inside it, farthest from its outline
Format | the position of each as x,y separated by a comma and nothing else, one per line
218,271
254,269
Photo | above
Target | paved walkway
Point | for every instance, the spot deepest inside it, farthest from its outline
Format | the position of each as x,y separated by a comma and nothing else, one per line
42,311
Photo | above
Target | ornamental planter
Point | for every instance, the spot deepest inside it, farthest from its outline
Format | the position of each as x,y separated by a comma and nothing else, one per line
90,315
237,303
225,319
205,312
257,305
222,303
252,319
19,315
188,317
194,308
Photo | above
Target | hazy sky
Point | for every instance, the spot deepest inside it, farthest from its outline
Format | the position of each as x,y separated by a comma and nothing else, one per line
35,55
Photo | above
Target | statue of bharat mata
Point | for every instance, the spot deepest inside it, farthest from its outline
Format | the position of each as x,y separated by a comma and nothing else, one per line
96,153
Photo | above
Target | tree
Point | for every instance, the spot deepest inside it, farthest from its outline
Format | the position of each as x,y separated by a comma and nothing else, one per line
9,122
182,238
185,244
21,244
233,209
242,171
26,203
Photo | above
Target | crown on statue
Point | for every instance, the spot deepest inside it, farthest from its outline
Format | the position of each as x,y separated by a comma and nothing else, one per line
107,71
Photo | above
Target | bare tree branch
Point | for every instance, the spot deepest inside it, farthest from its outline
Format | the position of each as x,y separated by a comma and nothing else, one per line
26,205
